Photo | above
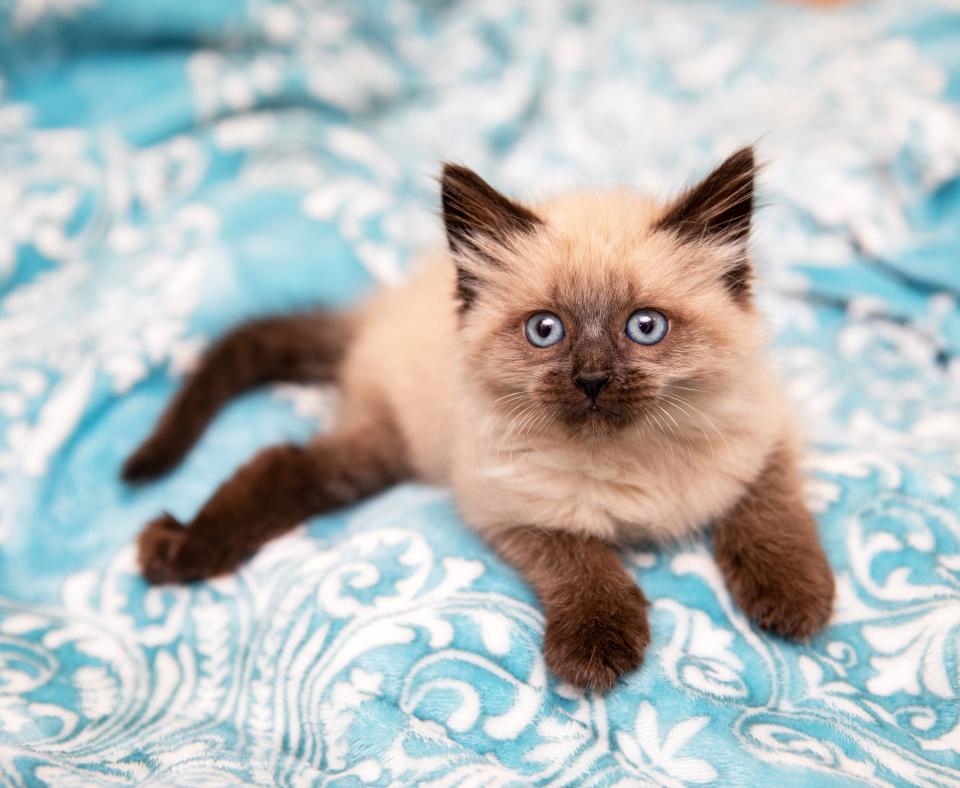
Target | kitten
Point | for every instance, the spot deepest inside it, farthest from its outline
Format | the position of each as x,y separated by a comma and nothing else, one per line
583,373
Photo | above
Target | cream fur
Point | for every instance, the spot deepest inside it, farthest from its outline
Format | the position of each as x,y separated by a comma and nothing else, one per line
441,381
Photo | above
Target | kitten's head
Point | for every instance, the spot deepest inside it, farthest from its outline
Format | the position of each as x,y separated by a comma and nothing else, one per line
594,312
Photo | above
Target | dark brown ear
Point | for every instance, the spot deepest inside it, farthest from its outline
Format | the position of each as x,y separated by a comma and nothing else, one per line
719,210
474,212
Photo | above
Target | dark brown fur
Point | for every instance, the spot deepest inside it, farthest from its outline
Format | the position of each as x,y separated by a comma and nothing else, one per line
768,550
597,628
295,348
274,492
720,207
472,209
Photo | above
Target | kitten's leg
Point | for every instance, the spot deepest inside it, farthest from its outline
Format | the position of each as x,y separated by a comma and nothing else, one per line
597,626
273,493
295,348
768,550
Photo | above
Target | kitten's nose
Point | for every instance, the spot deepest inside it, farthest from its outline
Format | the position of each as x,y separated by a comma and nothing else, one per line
591,385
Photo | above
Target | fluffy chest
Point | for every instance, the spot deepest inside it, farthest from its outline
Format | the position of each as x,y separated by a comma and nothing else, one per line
627,492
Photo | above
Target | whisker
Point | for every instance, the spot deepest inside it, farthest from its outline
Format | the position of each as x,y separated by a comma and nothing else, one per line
703,415
680,402
511,397
664,426
542,421
713,451
520,410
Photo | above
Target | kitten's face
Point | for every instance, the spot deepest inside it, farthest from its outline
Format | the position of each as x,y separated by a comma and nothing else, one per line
595,313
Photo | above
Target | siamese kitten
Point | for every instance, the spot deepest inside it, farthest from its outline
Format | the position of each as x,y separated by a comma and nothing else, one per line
584,373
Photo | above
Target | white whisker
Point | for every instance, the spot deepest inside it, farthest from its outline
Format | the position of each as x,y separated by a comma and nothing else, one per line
682,403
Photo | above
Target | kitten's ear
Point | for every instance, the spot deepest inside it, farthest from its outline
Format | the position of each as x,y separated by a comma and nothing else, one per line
477,216
719,210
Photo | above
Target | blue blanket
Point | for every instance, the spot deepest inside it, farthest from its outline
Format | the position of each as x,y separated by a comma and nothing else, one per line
170,168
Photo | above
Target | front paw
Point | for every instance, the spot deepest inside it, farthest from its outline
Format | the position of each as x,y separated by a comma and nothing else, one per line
794,603
591,642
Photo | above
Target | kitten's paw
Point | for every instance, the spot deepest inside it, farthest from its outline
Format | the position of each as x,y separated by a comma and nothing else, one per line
593,643
796,608
148,462
160,548
169,552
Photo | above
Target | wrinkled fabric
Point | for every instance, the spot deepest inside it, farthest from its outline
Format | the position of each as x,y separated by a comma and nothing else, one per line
169,168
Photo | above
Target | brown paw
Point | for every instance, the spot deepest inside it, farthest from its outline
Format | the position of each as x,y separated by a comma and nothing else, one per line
169,552
148,462
795,605
160,549
592,643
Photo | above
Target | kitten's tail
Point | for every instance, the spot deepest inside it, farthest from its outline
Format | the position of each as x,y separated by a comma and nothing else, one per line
305,347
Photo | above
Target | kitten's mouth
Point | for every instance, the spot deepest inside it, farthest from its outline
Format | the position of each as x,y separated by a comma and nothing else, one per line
578,413
596,414
595,411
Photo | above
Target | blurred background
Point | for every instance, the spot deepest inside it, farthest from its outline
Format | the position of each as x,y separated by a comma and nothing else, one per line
169,168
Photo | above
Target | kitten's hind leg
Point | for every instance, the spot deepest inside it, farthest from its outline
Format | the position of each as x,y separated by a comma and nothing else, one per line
294,348
597,628
274,492
768,550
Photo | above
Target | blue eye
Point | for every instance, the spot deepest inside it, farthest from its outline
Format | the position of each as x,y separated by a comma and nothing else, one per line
544,329
647,326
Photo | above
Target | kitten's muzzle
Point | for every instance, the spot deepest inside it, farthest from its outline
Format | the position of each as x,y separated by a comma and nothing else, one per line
591,385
